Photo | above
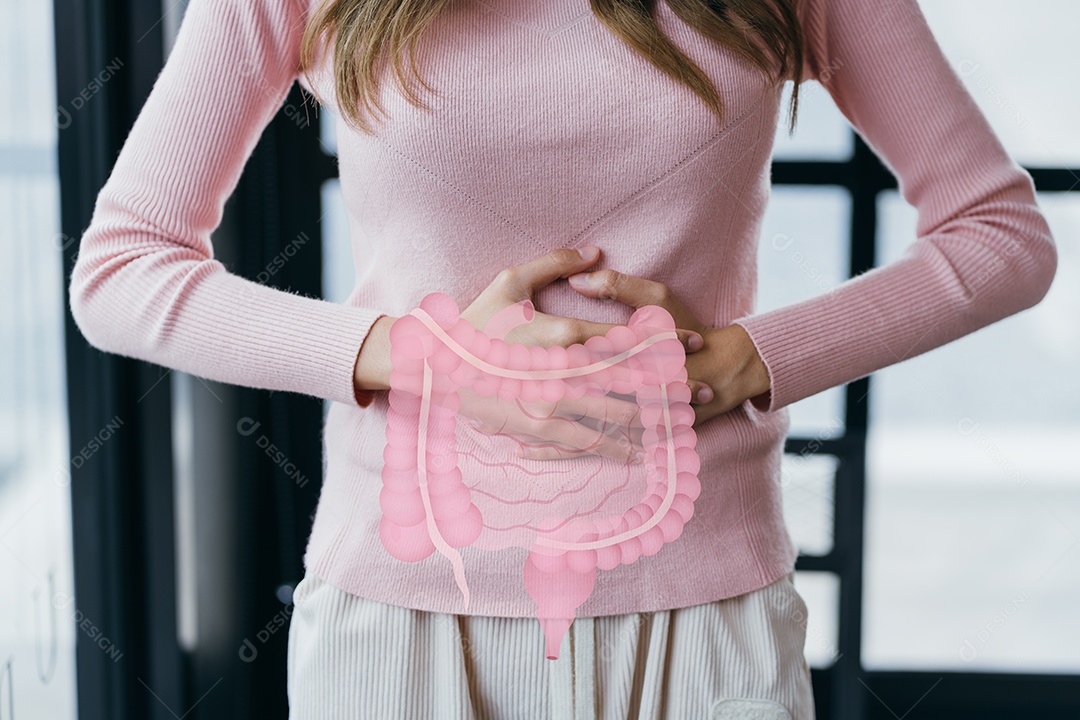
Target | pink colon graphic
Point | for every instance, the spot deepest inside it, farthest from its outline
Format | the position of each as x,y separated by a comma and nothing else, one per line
450,485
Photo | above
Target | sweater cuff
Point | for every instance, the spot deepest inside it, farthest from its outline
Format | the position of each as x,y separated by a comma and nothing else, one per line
201,319
311,345
781,347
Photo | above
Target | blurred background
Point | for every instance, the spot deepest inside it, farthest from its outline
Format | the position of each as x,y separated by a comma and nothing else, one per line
936,505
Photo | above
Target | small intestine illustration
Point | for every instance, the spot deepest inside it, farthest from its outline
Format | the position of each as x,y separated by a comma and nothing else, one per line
448,484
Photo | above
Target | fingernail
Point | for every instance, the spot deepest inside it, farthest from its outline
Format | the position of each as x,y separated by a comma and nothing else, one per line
589,252
696,342
580,280
705,395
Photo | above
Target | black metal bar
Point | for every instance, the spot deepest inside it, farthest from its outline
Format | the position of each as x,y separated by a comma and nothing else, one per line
812,173
987,696
864,177
868,179
824,172
819,446
832,562
1056,179
271,233
121,496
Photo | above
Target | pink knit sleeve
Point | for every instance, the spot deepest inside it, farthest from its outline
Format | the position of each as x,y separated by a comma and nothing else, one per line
983,251
146,283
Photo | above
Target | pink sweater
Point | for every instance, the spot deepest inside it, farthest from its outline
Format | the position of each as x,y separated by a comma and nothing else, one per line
551,133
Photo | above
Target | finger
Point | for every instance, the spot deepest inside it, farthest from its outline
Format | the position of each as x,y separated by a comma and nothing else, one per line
691,340
561,441
609,284
700,393
599,415
554,453
604,409
573,437
625,452
638,292
529,277
560,438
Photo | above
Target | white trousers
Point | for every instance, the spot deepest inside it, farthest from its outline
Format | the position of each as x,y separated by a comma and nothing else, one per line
740,658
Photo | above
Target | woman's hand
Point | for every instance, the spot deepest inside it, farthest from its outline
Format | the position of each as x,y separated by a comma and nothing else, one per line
520,283
728,367
577,425
605,425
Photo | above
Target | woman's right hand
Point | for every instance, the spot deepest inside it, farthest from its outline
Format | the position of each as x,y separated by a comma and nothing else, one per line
577,425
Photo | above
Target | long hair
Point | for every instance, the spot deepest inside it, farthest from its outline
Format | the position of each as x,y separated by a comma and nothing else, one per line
764,32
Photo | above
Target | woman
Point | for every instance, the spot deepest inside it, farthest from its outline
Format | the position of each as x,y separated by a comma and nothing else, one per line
640,134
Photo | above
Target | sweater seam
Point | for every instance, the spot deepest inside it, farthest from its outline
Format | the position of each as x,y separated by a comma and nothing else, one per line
668,173
544,32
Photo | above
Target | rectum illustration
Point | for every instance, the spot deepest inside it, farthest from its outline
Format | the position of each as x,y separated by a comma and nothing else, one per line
468,413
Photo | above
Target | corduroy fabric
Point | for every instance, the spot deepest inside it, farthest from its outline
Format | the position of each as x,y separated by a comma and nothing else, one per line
547,131
740,658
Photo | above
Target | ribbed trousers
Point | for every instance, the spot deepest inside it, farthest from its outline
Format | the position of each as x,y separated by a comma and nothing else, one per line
738,658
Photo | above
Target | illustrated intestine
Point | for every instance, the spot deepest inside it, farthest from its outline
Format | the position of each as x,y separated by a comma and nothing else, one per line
572,527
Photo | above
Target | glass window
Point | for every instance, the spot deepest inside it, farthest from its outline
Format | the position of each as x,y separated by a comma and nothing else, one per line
821,132
803,253
1015,59
972,511
327,129
339,273
38,623
808,482
821,592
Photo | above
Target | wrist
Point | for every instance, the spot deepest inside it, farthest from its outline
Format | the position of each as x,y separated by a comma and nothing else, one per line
736,366
753,375
372,369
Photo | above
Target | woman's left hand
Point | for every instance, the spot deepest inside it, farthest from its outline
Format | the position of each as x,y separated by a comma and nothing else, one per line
729,363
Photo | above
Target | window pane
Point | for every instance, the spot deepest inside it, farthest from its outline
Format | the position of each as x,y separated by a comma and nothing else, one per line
327,133
803,254
38,623
1015,59
821,132
821,591
973,513
807,482
339,274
